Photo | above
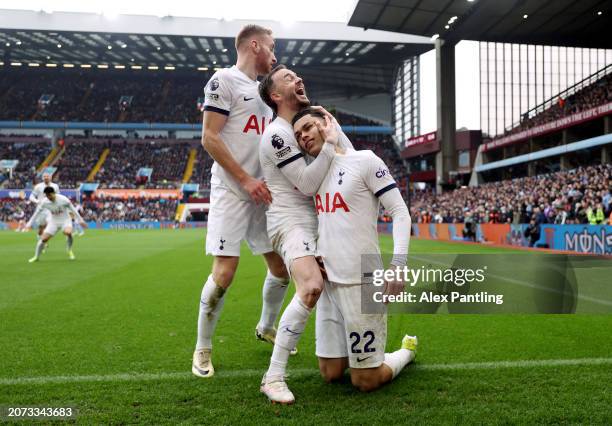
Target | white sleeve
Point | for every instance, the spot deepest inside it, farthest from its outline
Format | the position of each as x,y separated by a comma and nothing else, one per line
35,215
381,183
218,94
34,195
284,152
393,202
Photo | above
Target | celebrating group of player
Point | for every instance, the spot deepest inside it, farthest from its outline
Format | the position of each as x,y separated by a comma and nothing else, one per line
297,192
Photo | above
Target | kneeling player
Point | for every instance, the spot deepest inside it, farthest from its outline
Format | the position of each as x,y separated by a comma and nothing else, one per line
59,209
347,204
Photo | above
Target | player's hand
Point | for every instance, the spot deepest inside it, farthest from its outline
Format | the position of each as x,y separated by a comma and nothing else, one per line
325,112
83,224
393,287
328,131
257,190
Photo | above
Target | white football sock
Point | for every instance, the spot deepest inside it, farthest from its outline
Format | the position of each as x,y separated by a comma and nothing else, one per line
211,304
274,290
39,247
397,360
290,328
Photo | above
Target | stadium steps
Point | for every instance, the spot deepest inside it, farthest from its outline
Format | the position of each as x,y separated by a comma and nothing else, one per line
179,211
57,157
193,153
52,154
92,174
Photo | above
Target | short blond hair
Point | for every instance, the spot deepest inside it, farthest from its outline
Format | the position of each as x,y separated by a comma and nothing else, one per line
249,31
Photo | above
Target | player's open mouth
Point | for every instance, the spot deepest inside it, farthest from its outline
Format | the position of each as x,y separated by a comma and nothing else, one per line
300,91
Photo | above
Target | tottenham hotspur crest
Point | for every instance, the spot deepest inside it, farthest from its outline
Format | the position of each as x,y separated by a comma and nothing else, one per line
277,142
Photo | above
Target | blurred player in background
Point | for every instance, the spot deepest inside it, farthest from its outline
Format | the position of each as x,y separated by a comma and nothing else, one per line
57,208
234,119
347,204
80,231
37,195
292,222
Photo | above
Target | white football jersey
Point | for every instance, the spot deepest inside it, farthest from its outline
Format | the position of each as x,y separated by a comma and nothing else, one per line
232,93
58,209
347,207
38,193
289,206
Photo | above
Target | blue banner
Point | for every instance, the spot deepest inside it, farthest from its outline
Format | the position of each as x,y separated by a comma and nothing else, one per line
595,239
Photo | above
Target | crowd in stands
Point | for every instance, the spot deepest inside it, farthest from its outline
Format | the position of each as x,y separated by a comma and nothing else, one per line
102,209
89,95
76,162
591,96
168,161
93,95
578,196
15,210
29,155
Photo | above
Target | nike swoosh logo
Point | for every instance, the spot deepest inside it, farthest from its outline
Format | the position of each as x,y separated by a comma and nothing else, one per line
291,331
247,99
363,359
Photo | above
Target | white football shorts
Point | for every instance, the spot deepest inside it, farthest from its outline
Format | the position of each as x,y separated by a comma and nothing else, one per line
343,331
231,220
295,241
55,225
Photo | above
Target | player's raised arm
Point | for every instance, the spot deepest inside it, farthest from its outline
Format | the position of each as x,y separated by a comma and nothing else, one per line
382,184
216,111
290,161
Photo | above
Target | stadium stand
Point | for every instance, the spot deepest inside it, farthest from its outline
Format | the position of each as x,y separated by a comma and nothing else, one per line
167,159
29,155
77,161
569,197
591,96
101,209
96,97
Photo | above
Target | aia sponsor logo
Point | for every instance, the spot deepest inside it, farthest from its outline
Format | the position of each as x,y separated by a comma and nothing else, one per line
331,203
256,124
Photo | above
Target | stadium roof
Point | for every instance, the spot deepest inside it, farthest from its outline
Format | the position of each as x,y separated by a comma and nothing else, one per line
335,59
584,23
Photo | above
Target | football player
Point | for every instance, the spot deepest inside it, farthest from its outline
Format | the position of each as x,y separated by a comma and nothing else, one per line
292,221
234,120
57,209
347,204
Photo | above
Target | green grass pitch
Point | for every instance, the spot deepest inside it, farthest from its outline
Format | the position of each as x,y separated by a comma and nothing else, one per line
112,334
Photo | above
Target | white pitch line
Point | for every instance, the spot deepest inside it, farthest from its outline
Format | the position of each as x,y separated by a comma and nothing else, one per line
182,375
